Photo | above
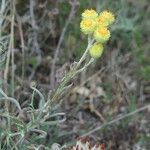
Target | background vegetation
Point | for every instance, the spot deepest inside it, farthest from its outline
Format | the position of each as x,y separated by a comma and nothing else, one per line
40,40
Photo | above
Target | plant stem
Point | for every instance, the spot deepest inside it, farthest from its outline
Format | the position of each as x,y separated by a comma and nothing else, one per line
71,73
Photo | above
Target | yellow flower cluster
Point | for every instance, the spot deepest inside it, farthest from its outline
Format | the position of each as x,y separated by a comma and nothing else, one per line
96,25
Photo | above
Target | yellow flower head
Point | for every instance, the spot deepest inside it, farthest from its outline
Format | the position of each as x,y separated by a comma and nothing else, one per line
101,22
96,50
107,16
87,26
102,34
89,14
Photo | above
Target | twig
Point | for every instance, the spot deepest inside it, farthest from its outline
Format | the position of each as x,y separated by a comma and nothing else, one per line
33,22
34,27
52,76
12,49
22,45
116,120
10,54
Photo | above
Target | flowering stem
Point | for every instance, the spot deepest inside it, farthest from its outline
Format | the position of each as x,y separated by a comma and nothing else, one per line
71,74
74,71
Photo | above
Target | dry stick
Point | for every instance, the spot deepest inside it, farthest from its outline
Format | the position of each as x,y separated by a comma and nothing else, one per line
33,23
10,53
116,120
52,76
12,49
34,26
22,45
35,34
